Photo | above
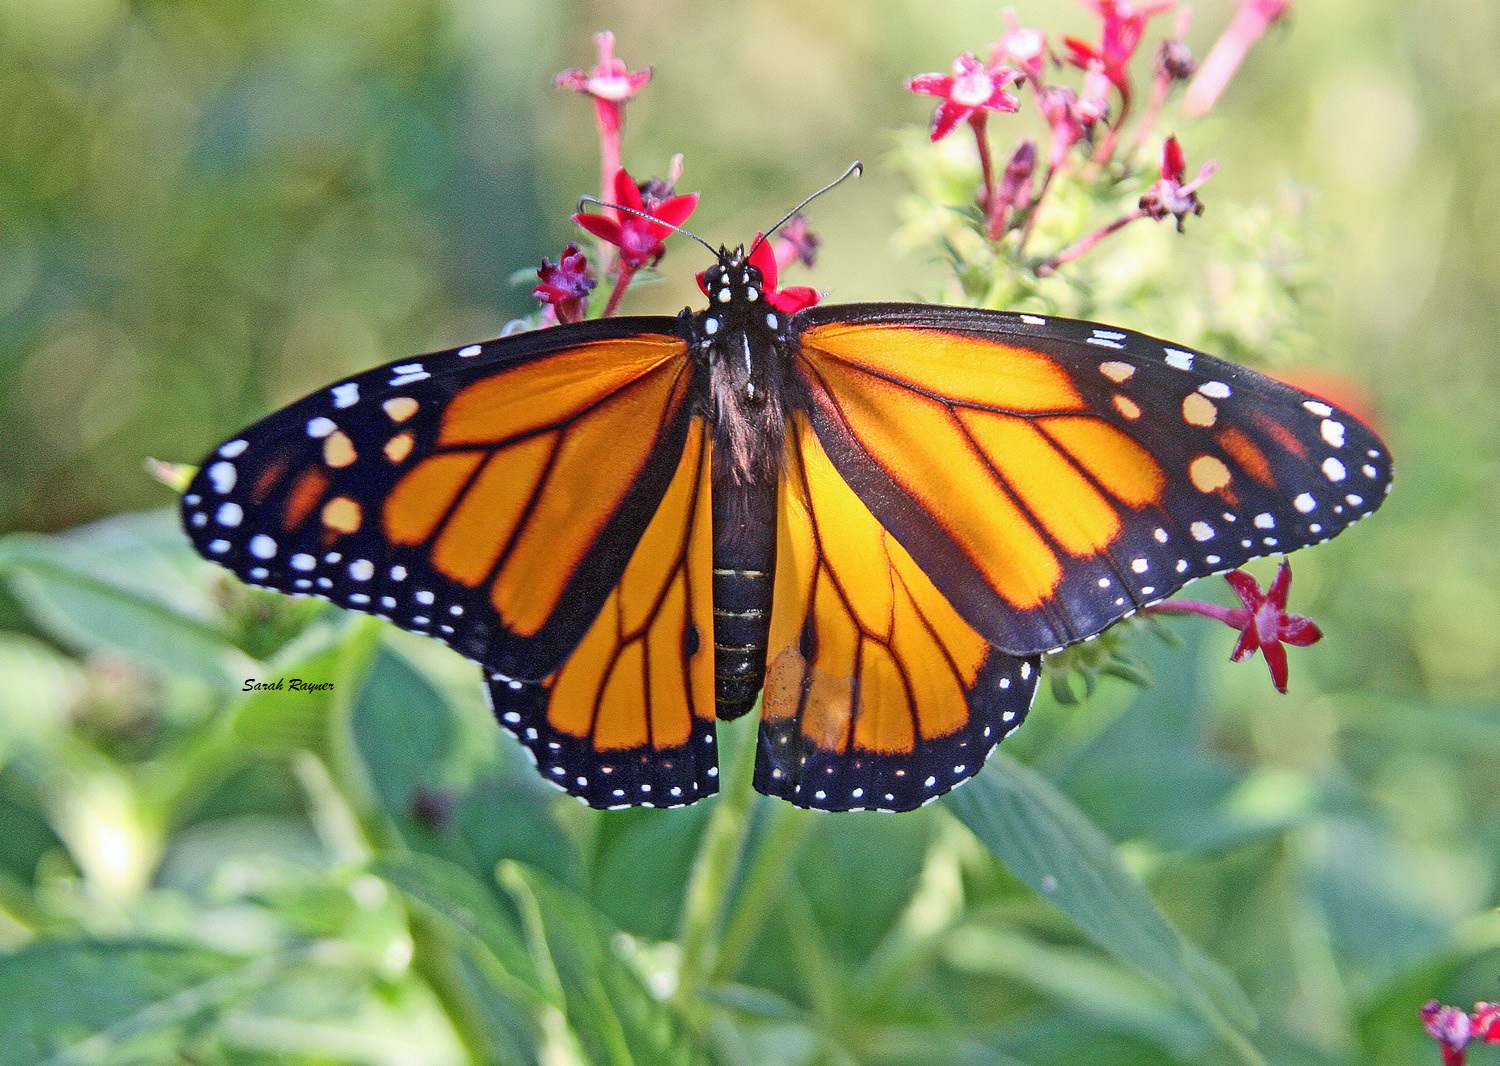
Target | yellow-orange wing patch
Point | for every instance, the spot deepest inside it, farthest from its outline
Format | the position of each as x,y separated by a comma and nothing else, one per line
877,693
1051,476
489,496
628,718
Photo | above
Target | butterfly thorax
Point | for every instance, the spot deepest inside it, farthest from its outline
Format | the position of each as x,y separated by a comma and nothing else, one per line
739,337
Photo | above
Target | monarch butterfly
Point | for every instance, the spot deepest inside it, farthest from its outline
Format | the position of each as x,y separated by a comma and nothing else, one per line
875,516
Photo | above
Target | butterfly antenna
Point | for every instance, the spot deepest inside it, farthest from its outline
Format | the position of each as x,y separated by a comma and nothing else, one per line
855,168
650,218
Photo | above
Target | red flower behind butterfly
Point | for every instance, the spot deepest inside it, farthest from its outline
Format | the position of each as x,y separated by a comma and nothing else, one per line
969,94
639,232
565,287
789,300
638,236
1263,622
1124,25
1171,196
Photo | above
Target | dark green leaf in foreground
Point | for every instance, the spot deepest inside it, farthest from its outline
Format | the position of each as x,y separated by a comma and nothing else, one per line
78,1001
1048,843
129,583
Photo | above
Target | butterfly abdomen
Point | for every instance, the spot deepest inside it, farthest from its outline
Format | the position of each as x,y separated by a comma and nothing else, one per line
744,572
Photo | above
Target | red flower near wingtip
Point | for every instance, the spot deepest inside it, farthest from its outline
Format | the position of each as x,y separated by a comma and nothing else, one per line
1263,622
638,236
789,300
969,94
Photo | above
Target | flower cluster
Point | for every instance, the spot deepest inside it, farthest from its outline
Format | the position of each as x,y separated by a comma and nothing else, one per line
1084,122
635,218
1454,1029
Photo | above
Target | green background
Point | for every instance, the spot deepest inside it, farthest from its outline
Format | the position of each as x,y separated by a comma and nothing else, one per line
209,208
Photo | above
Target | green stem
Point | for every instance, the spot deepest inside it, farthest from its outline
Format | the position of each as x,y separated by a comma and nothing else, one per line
769,868
706,898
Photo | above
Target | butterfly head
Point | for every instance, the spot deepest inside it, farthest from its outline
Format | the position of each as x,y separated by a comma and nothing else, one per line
733,281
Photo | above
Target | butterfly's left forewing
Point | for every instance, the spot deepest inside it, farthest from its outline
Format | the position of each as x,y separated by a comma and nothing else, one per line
488,496
877,694
1052,477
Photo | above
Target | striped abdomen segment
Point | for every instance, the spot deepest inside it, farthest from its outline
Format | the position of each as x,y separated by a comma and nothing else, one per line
744,572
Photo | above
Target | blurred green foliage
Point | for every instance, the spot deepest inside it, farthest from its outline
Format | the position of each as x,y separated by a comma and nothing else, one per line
208,208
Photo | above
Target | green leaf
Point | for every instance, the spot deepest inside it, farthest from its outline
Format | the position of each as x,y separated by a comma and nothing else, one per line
616,1019
130,583
464,904
76,1002
1051,845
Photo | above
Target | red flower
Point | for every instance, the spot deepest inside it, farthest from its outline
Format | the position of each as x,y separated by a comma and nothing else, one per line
565,287
609,80
1451,1028
969,93
1022,48
1124,25
1263,622
1170,196
1486,1022
638,238
789,300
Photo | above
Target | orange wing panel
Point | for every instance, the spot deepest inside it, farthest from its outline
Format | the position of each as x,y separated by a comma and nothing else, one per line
873,681
632,709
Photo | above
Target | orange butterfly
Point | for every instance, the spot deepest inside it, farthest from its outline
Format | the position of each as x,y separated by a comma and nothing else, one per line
877,515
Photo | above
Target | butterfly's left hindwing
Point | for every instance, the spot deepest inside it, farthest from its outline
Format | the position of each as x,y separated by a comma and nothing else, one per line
488,496
628,720
1052,477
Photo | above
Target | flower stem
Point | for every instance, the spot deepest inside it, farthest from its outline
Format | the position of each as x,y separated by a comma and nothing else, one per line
707,897
771,864
1082,246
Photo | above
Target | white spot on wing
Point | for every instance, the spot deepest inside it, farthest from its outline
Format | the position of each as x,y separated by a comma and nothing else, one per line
234,449
345,395
223,475
1179,359
1305,502
1201,531
1322,410
1214,390
469,352
262,546
1334,470
1333,432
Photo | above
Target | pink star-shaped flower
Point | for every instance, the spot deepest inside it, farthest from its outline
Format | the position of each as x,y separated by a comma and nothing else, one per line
1263,622
638,236
609,80
969,94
